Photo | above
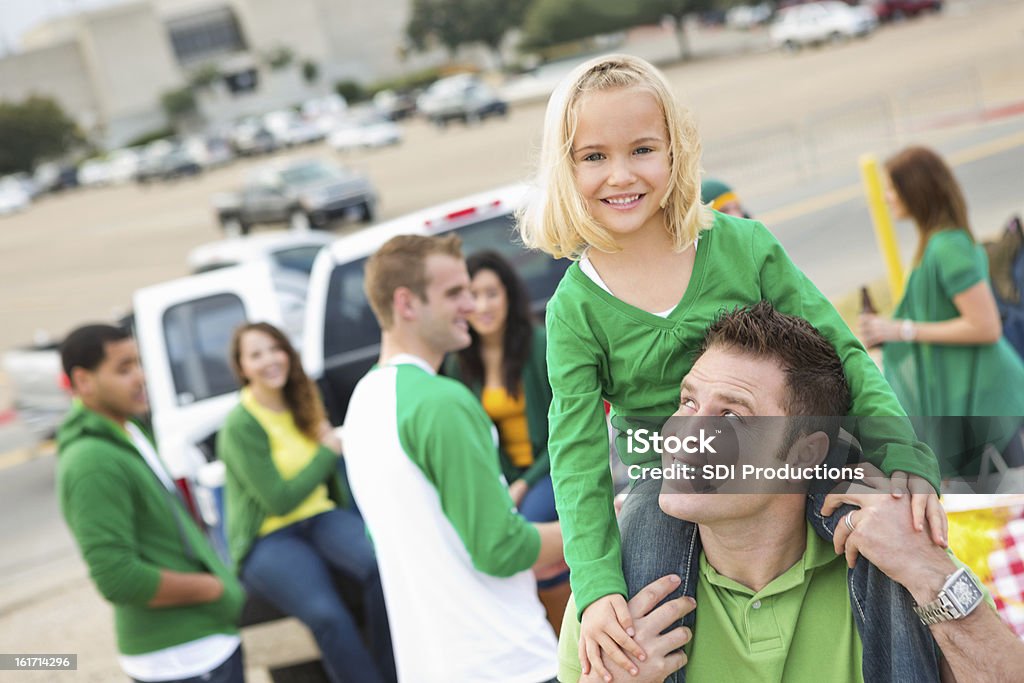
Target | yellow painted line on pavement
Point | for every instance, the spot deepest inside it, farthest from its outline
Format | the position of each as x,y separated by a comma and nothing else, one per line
23,455
12,458
986,149
810,205
853,191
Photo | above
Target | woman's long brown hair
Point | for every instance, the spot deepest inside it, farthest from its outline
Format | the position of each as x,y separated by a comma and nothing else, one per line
930,193
300,394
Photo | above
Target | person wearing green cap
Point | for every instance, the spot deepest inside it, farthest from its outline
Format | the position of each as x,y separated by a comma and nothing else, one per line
721,197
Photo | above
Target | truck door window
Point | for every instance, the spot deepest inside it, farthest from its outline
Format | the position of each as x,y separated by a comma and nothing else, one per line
349,323
297,258
198,334
540,272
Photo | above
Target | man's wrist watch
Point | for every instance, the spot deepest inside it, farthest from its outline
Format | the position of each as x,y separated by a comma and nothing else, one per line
958,598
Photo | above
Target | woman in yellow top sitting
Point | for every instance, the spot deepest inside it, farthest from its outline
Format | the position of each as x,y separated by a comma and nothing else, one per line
291,528
505,367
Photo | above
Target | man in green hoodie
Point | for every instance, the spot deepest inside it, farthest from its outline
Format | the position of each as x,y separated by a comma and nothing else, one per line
176,605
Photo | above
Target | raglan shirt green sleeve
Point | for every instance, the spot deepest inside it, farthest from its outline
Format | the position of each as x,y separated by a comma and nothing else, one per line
96,499
450,438
578,448
889,443
243,446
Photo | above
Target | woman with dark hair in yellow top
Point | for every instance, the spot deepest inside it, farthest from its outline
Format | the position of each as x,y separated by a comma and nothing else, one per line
505,367
290,526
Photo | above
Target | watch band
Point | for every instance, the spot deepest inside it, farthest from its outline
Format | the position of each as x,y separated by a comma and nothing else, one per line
966,596
937,611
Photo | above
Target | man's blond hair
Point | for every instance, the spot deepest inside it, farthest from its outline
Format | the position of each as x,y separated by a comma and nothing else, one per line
556,219
401,262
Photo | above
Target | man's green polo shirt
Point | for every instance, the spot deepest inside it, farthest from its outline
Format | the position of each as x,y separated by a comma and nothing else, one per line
798,628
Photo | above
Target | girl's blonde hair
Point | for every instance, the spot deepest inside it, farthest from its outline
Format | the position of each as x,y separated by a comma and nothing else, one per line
556,219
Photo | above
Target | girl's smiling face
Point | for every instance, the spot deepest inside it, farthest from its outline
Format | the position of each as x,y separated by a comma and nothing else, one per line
621,157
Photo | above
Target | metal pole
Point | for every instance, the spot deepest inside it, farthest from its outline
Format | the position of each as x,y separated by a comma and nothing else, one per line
885,235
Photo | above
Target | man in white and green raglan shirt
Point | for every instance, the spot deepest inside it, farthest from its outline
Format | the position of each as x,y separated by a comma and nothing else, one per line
176,605
455,557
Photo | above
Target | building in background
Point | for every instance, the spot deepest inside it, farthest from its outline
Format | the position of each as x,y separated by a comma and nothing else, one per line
110,67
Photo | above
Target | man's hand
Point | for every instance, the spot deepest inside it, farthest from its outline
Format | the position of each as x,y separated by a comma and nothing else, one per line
178,589
925,505
882,534
607,629
650,622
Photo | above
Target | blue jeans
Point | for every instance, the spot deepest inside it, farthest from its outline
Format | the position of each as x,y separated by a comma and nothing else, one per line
292,569
538,505
231,671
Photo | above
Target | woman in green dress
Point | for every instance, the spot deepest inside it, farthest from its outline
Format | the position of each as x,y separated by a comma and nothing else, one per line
944,353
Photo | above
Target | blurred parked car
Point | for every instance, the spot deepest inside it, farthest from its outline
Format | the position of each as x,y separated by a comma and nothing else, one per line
119,166
748,16
13,196
324,113
28,183
290,129
285,249
289,256
463,97
394,106
819,22
887,10
305,193
55,177
366,131
250,137
177,161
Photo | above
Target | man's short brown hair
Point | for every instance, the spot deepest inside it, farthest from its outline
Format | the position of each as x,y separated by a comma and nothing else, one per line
401,262
816,385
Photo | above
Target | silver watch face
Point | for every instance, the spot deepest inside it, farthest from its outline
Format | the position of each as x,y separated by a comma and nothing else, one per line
964,592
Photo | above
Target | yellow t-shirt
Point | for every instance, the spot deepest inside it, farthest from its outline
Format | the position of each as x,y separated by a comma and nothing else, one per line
509,415
291,451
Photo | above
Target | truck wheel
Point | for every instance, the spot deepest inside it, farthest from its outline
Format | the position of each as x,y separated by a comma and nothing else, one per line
234,227
299,221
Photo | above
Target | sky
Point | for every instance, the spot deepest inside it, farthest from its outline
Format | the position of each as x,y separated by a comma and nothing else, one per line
18,15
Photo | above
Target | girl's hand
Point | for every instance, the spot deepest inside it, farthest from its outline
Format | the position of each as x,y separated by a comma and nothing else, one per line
924,503
875,329
606,629
517,490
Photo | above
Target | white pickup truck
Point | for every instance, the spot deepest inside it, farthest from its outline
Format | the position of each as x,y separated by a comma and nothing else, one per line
183,328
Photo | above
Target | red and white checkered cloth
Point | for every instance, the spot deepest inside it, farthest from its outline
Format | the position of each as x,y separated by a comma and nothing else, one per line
1007,566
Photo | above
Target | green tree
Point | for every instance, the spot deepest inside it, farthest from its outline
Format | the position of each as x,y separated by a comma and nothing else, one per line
178,104
652,11
550,22
454,23
204,76
32,131
279,57
310,71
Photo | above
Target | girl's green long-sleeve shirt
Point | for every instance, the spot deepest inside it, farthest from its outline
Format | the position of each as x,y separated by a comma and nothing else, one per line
600,347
